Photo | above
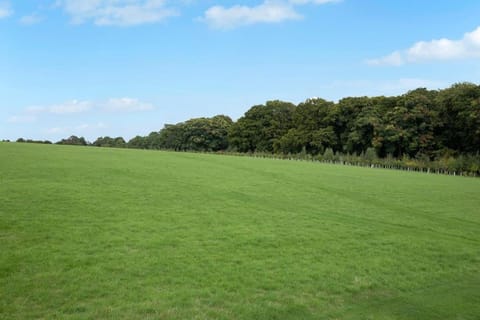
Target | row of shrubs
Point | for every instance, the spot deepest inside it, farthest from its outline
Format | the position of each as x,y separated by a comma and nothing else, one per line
464,165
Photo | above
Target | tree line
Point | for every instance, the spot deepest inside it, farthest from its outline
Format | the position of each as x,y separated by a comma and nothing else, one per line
421,129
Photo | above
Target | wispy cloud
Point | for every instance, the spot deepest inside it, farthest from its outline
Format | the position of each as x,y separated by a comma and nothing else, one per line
270,11
5,9
77,130
117,12
76,107
314,1
24,118
85,126
72,106
126,105
30,19
435,50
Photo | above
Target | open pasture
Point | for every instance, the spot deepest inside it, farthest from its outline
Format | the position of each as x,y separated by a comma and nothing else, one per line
95,233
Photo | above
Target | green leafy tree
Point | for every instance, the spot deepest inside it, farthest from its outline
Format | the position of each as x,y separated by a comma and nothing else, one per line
199,134
261,127
459,111
357,119
313,128
137,142
329,155
73,140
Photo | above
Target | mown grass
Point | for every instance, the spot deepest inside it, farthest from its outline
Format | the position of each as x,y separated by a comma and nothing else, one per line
92,233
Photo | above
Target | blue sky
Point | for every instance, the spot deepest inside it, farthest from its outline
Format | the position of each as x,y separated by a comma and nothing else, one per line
127,67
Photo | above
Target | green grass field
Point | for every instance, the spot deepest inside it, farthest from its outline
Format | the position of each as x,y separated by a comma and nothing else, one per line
93,233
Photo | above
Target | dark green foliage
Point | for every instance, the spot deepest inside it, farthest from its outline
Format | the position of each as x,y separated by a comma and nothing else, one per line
408,126
74,141
206,134
427,122
328,155
261,128
459,109
21,140
370,155
118,142
201,134
137,142
312,129
356,119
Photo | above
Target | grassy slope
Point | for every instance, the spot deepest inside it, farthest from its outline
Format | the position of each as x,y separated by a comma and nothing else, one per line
102,233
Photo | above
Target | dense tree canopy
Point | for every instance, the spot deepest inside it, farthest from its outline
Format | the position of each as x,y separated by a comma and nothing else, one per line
117,142
312,128
200,134
459,111
73,140
261,127
421,123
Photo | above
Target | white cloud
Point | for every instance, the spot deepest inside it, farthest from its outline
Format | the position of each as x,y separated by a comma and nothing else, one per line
314,1
30,19
76,106
393,59
126,105
5,9
87,126
117,12
56,130
435,50
268,12
77,130
25,118
72,106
